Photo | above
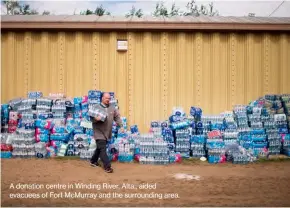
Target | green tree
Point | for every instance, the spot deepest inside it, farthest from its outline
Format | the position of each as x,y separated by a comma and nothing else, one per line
46,12
25,10
11,6
133,12
87,12
160,10
175,11
193,10
100,11
14,7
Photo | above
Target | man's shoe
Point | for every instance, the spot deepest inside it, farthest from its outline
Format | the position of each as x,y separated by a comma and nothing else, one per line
95,164
109,170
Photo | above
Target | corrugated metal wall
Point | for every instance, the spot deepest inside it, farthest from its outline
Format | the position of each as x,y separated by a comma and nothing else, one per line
159,71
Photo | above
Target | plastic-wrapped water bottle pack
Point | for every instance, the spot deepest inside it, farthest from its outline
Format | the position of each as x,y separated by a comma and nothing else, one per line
231,137
23,144
153,150
197,146
182,142
97,111
215,150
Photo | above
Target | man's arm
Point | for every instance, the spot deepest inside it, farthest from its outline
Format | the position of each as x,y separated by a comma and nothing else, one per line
117,118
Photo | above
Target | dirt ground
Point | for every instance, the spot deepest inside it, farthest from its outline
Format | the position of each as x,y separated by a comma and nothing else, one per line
261,184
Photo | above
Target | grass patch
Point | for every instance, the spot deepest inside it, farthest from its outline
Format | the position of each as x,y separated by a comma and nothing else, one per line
278,159
66,158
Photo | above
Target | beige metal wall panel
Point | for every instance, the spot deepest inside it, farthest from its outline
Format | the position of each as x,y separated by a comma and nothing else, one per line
172,69
274,74
285,62
54,56
206,74
4,65
121,77
19,70
240,69
159,71
144,49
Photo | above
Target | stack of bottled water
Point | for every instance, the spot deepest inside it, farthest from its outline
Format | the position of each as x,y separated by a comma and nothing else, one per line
281,123
126,150
206,123
286,104
58,108
81,142
215,147
259,141
77,114
94,97
197,146
70,148
43,127
275,143
13,121
216,122
156,128
255,118
26,105
15,103
41,149
241,158
240,112
245,137
286,145
168,137
6,146
237,154
230,137
44,105
182,142
153,150
4,118
229,121
23,143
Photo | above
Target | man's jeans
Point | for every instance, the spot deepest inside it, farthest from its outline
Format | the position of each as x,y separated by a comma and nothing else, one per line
101,152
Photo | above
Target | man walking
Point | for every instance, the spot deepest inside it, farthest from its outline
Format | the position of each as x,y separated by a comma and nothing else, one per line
103,132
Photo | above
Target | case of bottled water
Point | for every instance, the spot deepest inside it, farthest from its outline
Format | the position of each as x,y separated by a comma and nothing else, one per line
41,149
197,146
126,149
15,103
286,144
215,149
240,112
34,94
58,108
182,142
153,150
97,110
23,144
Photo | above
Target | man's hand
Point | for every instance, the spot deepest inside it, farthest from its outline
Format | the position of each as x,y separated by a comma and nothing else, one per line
98,118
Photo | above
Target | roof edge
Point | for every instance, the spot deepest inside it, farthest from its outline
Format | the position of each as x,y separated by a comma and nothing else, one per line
130,25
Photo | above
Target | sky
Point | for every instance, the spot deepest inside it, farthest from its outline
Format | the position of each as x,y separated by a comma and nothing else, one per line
120,8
